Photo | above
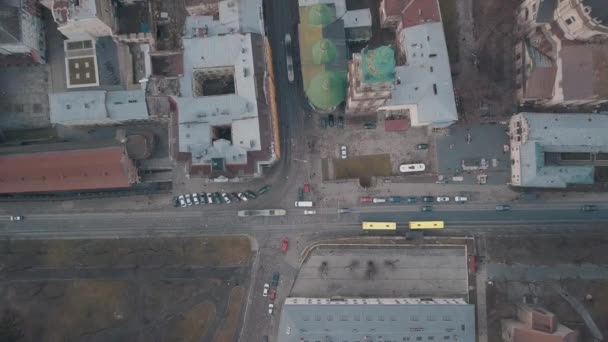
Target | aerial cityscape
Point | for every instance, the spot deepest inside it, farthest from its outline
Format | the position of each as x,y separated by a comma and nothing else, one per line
303,170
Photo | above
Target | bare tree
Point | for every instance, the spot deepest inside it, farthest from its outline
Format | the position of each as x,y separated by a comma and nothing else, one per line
10,327
323,268
353,264
371,270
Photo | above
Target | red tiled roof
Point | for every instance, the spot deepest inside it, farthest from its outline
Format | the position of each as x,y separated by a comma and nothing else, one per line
393,7
420,11
101,168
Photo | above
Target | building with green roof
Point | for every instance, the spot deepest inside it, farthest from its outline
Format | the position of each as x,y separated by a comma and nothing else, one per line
321,15
327,90
371,77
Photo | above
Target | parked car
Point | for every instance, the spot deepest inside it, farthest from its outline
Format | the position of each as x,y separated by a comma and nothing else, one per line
265,338
310,212
273,294
270,308
250,194
369,125
394,199
461,199
203,198
589,207
275,279
300,194
218,198
226,198
422,146
289,58
175,201
188,199
379,200
428,199
426,208
242,197
17,218
344,210
443,199
366,199
340,122
210,198
411,199
331,120
266,288
195,198
323,122
343,152
306,187
416,167
264,189
235,196
284,245
503,207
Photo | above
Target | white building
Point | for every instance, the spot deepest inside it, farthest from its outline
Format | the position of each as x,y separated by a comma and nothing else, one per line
76,18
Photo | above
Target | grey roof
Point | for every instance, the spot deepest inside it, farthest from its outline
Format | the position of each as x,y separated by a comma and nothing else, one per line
372,319
97,107
10,23
197,115
234,16
599,10
425,86
546,10
548,132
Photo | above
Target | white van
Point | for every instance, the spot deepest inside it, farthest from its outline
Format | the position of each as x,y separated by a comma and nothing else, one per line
304,204
405,168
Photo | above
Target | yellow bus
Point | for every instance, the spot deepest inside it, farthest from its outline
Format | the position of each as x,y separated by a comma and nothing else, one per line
426,224
379,225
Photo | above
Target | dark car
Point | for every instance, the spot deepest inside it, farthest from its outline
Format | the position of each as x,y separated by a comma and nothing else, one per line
340,122
275,279
503,207
411,199
422,146
369,125
589,207
426,208
344,210
264,189
428,199
250,194
217,198
300,194
175,201
265,338
235,196
331,120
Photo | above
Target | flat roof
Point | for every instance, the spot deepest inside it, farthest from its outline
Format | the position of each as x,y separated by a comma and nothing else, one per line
82,71
376,319
357,18
101,168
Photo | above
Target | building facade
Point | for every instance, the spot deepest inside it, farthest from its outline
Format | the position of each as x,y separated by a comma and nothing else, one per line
22,30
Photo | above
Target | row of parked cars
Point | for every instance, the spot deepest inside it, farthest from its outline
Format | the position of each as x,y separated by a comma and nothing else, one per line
412,199
194,198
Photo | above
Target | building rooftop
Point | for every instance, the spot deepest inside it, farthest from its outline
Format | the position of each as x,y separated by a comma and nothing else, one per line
101,168
10,23
393,7
599,10
378,65
424,83
376,319
557,133
357,18
541,78
546,11
232,16
584,71
419,12
65,10
97,107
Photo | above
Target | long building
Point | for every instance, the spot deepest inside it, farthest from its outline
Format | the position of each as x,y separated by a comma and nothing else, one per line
376,319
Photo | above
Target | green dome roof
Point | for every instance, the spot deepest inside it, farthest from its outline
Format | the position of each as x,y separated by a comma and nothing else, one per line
378,65
321,15
323,52
327,90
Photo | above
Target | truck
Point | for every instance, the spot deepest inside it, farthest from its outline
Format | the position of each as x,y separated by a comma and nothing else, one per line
417,167
263,212
304,204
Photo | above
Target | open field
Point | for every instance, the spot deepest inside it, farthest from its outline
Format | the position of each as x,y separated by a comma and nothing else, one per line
126,290
363,166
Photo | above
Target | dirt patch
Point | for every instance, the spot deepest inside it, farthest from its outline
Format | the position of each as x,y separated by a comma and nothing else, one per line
194,323
227,332
378,165
449,16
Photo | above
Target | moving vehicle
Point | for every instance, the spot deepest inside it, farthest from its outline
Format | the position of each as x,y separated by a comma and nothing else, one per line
195,198
443,199
461,199
310,212
285,244
275,279
426,208
242,197
417,167
422,146
365,199
369,125
428,199
340,122
426,225
344,210
225,197
270,308
263,212
503,207
264,189
379,225
379,200
266,288
17,218
289,58
188,199
331,120
182,201
589,207
343,152
304,204
306,187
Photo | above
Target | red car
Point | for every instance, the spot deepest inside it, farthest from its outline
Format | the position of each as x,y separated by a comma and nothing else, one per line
285,244
306,187
273,294
365,199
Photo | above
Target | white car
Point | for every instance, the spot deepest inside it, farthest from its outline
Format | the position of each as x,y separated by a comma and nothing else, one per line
188,199
195,198
242,197
379,200
266,288
16,218
270,308
209,198
226,198
343,152
182,201
443,199
310,212
461,198
288,58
